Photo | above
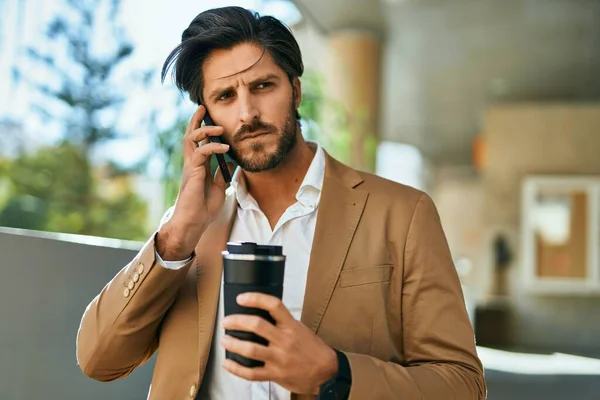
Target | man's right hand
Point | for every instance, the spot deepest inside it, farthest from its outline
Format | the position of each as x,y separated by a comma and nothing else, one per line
200,196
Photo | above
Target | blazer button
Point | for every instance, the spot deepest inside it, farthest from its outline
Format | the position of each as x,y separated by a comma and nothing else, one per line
126,292
136,277
140,269
130,285
193,391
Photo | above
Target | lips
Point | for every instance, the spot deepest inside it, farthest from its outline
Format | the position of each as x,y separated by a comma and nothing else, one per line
254,135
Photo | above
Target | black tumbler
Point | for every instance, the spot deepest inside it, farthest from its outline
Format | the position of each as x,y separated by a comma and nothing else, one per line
249,267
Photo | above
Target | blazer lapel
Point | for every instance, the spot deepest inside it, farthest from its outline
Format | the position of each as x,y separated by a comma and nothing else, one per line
209,269
340,209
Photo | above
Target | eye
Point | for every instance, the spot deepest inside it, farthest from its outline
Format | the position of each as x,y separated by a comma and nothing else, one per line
264,85
224,96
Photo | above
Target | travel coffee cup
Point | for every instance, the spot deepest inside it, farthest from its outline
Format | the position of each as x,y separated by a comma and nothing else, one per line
249,267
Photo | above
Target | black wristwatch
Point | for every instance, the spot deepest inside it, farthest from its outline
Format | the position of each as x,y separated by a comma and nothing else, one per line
338,387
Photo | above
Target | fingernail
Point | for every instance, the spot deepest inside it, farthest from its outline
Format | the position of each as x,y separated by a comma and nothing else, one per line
242,297
224,145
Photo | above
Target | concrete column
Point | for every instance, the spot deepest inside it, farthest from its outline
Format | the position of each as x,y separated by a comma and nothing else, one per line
353,83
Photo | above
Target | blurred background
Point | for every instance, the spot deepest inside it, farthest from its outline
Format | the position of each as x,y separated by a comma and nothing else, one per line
492,107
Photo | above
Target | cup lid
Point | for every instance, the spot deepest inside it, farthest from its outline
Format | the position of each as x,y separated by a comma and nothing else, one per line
253,248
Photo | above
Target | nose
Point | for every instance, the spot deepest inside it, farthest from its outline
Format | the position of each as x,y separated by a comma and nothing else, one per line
248,110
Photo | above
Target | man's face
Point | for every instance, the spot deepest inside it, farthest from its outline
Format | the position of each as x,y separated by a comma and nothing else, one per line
254,102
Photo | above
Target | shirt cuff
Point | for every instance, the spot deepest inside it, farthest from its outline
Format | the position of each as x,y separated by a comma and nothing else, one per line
171,264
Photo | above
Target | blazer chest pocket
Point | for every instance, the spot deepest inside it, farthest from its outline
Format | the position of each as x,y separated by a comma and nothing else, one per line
364,276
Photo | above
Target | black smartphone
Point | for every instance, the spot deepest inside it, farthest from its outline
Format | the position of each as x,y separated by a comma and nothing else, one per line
220,157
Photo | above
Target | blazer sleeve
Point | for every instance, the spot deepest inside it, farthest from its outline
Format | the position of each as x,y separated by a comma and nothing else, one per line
119,328
438,346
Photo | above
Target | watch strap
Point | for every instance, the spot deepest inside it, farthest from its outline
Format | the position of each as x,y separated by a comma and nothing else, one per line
344,372
338,387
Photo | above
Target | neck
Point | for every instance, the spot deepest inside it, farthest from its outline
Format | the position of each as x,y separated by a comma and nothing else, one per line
279,185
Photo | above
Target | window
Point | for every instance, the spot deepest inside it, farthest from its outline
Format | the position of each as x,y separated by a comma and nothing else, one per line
561,227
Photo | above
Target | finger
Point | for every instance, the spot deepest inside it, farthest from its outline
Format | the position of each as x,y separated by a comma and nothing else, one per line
203,153
196,119
219,180
195,122
265,302
198,135
201,143
250,323
249,374
246,348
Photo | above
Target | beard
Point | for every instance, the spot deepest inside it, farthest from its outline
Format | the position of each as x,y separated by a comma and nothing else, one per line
259,160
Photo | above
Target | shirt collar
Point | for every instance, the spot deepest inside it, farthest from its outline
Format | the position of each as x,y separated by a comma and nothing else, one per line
308,194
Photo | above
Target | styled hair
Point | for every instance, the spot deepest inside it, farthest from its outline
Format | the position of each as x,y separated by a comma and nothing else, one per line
222,29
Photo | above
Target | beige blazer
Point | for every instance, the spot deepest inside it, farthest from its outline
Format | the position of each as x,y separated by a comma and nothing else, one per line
381,287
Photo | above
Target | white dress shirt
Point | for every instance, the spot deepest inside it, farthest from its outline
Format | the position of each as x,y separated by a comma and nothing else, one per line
294,232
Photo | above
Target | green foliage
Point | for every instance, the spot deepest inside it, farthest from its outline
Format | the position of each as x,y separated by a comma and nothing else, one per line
56,190
330,123
169,142
318,111
312,101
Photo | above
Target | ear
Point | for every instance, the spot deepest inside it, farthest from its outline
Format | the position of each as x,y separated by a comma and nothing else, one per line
297,91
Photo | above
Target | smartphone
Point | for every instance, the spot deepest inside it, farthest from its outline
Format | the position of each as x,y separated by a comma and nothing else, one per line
220,157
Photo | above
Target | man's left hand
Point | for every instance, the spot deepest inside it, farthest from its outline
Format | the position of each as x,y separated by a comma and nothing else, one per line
295,358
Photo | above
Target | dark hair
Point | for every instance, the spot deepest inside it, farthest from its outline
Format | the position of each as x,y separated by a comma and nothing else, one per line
224,28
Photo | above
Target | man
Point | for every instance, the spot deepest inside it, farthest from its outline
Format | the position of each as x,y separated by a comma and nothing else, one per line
372,305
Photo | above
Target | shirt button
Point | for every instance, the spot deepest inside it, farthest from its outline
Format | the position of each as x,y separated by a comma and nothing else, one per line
192,391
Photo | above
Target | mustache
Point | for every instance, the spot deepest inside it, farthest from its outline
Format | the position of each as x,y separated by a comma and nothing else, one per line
249,129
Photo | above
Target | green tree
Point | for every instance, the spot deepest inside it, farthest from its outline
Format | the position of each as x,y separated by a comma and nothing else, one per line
55,189
83,86
84,89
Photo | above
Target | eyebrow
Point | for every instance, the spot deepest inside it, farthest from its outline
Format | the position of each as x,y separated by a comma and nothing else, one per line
215,94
